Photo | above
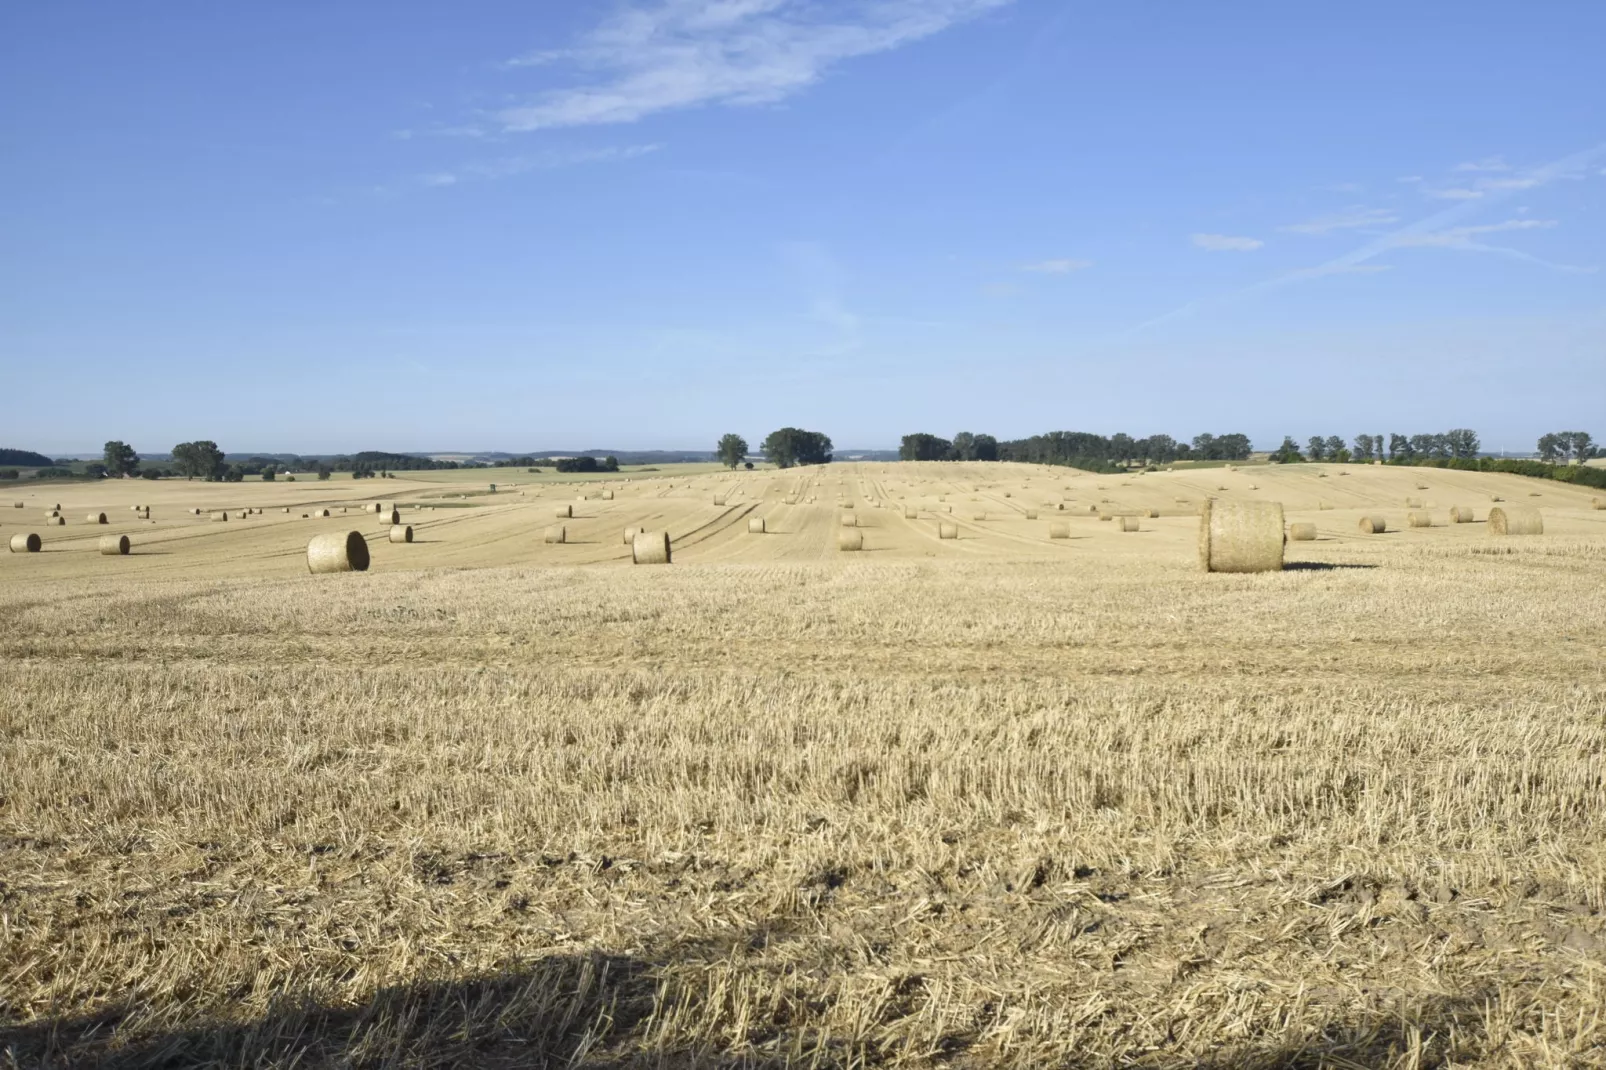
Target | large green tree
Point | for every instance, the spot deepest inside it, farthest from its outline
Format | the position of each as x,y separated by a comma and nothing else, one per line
793,445
732,450
199,459
121,460
923,447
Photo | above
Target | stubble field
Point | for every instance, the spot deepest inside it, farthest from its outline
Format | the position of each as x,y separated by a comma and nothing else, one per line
998,800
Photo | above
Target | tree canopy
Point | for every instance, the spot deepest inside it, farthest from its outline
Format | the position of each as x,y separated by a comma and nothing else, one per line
732,450
792,445
120,459
199,459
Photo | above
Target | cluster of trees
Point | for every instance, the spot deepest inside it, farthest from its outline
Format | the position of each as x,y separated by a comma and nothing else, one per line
586,464
24,458
963,447
1567,446
792,445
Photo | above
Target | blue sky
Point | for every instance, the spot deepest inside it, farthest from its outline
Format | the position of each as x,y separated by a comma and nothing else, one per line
496,225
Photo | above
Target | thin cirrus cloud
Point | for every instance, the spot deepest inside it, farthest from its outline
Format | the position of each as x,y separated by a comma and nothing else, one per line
1354,219
1226,243
676,54
1057,267
508,167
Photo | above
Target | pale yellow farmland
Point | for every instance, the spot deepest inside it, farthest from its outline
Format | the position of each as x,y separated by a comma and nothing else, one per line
1000,800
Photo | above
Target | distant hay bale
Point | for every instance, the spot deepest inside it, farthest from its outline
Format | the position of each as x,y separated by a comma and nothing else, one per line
580,497
395,517
1059,507
1256,486
219,518
850,540
56,521
401,533
1324,505
556,533
54,513
947,508
650,548
631,533
849,520
607,495
1241,536
1129,523
1372,525
335,551
563,512
1031,514
113,545
316,512
1413,503
847,505
18,505
1221,486
755,525
133,508
1421,486
1006,493
947,529
195,512
719,499
1496,498
1303,532
97,518
1516,520
286,509
1461,514
1152,514
1419,518
1106,516
910,512
26,543
978,516
1597,503
790,500
1060,530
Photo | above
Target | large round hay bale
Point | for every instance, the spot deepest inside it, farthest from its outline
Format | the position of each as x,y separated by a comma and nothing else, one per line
1372,525
113,545
195,512
96,518
1515,520
650,548
320,512
1302,532
219,518
947,530
133,508
395,517
755,525
1106,516
18,505
26,543
336,551
1154,514
1419,518
556,533
607,495
1461,514
631,533
1031,514
911,513
1060,530
719,499
1241,536
1129,523
849,520
978,516
401,533
376,507
563,512
58,521
850,540
1413,503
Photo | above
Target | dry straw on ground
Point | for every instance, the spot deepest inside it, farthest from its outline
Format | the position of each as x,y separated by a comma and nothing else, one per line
1304,531
336,551
1241,536
1515,520
401,533
650,548
26,543
113,545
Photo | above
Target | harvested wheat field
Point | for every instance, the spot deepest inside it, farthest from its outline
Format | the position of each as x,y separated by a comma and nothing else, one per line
1000,800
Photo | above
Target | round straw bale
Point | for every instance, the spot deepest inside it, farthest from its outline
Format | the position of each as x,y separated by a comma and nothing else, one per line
556,533
789,501
96,518
563,512
1515,520
978,516
377,507
1461,514
113,545
395,517
18,505
1323,505
1413,503
1241,536
719,499
947,530
56,521
847,505
1372,525
631,533
607,495
1059,531
315,512
337,552
218,518
910,512
580,497
26,544
1496,498
401,533
755,525
1419,518
850,540
650,548
1303,532
54,512
133,508
1129,523
1106,516
1031,514
1597,503
849,520
195,512
286,509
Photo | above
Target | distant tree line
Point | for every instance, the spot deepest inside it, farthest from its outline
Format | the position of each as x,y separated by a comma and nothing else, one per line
24,459
1078,449
586,464
793,446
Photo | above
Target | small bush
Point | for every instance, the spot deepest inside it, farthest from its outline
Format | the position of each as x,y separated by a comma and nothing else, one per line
9,473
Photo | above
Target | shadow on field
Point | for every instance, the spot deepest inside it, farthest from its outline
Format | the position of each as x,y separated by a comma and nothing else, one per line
1317,566
597,1012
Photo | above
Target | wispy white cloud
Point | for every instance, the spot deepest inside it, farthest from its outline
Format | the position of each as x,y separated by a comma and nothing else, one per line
673,54
1409,178
1461,237
1353,219
1488,163
551,160
1226,243
1057,267
1455,193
